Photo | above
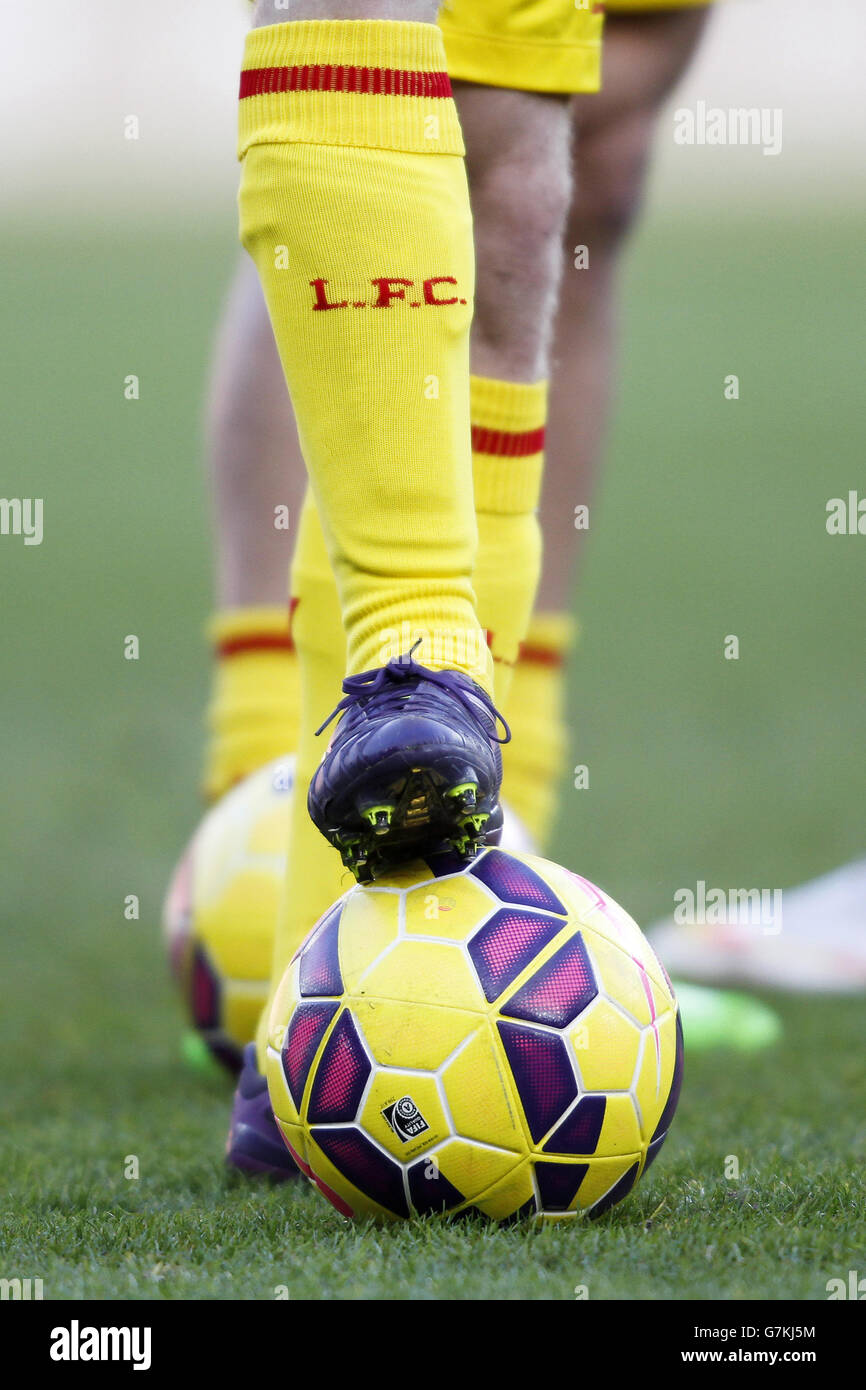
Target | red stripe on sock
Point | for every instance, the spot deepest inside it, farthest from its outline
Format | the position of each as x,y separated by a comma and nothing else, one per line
507,443
540,656
256,642
326,77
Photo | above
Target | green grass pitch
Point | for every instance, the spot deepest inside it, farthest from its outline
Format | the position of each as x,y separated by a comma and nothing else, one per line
749,773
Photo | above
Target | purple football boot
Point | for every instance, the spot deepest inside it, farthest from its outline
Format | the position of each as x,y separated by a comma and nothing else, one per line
255,1144
414,768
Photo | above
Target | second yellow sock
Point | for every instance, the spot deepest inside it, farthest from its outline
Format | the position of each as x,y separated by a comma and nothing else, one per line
253,715
537,758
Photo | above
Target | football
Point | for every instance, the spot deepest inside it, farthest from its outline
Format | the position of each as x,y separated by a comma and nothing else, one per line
221,908
496,1036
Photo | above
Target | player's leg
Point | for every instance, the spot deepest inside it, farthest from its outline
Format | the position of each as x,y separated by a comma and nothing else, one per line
645,54
355,207
251,444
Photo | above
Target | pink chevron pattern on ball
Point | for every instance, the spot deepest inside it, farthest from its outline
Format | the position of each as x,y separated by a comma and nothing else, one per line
515,882
559,991
306,1030
340,1076
506,944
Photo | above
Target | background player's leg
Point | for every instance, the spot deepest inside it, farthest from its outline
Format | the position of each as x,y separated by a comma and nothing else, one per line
256,477
644,56
253,459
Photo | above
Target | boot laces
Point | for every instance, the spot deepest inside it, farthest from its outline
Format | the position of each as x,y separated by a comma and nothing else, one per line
387,686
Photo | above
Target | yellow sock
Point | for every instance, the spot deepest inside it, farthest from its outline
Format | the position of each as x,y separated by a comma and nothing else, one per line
537,758
355,208
508,421
254,711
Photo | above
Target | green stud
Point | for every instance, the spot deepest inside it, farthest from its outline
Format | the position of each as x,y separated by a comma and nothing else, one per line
379,818
465,792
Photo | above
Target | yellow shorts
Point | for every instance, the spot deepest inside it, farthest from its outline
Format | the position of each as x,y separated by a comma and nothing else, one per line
530,45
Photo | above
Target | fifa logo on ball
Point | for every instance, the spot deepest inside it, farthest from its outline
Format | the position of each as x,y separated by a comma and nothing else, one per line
405,1119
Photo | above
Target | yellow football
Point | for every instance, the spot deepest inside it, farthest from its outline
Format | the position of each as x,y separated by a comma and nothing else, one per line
495,1036
221,909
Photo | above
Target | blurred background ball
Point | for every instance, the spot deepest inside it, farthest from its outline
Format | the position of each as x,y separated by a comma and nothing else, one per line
221,909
